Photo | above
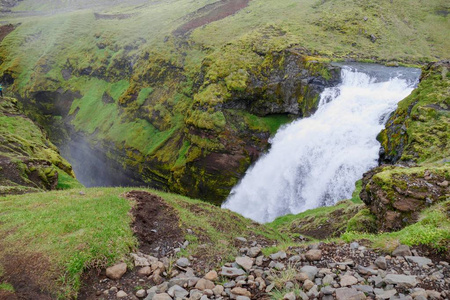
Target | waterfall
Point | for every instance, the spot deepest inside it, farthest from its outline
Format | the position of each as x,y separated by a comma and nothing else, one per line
316,161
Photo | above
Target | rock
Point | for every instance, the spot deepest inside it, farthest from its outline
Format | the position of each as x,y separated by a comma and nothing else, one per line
253,252
328,290
177,292
278,255
245,262
241,239
311,271
364,288
140,261
421,261
116,272
354,245
433,294
145,271
121,294
313,255
348,280
289,296
302,277
241,291
204,284
211,275
402,250
270,287
141,294
183,262
242,298
382,294
381,263
279,266
404,281
231,272
218,290
162,296
366,271
349,294
294,259
308,284
328,279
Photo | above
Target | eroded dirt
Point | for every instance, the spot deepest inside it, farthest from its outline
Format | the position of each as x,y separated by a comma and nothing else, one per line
5,30
156,225
211,13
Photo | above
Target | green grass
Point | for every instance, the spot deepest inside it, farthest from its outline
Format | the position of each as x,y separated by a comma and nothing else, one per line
433,230
66,182
6,287
73,231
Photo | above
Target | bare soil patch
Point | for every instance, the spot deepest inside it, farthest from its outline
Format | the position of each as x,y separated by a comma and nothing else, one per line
5,30
156,225
211,13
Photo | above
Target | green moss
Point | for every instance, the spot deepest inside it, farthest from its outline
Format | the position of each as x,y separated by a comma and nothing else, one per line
66,181
363,221
6,287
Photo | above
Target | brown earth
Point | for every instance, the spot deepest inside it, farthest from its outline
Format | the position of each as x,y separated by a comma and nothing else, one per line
156,226
5,30
211,13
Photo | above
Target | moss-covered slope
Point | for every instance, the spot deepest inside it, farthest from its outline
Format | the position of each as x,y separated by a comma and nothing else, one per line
184,95
28,160
416,139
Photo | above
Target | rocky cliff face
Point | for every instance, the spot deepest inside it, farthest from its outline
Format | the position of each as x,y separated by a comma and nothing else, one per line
28,160
416,140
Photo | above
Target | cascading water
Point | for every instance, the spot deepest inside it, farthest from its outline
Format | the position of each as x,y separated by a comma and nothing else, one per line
316,161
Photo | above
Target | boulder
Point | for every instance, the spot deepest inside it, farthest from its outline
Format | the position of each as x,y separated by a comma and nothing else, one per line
116,272
245,262
402,250
404,281
313,255
349,294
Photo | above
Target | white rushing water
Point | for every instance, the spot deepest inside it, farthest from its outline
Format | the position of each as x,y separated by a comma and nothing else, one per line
316,161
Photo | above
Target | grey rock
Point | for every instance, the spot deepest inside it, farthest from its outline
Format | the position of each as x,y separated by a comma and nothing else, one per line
229,285
328,279
354,245
253,252
245,262
231,272
328,290
382,294
311,271
278,255
121,294
177,292
289,285
402,250
401,280
241,239
308,284
381,263
294,259
303,295
242,298
364,288
279,266
347,280
289,296
367,271
162,296
349,294
421,261
183,262
141,294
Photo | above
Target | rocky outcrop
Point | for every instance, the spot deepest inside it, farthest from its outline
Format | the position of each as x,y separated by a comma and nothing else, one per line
397,195
416,136
28,160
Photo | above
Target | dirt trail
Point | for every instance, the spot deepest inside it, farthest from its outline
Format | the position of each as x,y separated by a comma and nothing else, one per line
211,13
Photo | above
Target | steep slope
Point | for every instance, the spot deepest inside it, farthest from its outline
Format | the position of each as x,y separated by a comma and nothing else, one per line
28,160
184,95
416,141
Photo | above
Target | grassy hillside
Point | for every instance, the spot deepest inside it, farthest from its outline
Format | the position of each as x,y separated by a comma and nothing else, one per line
165,88
53,237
